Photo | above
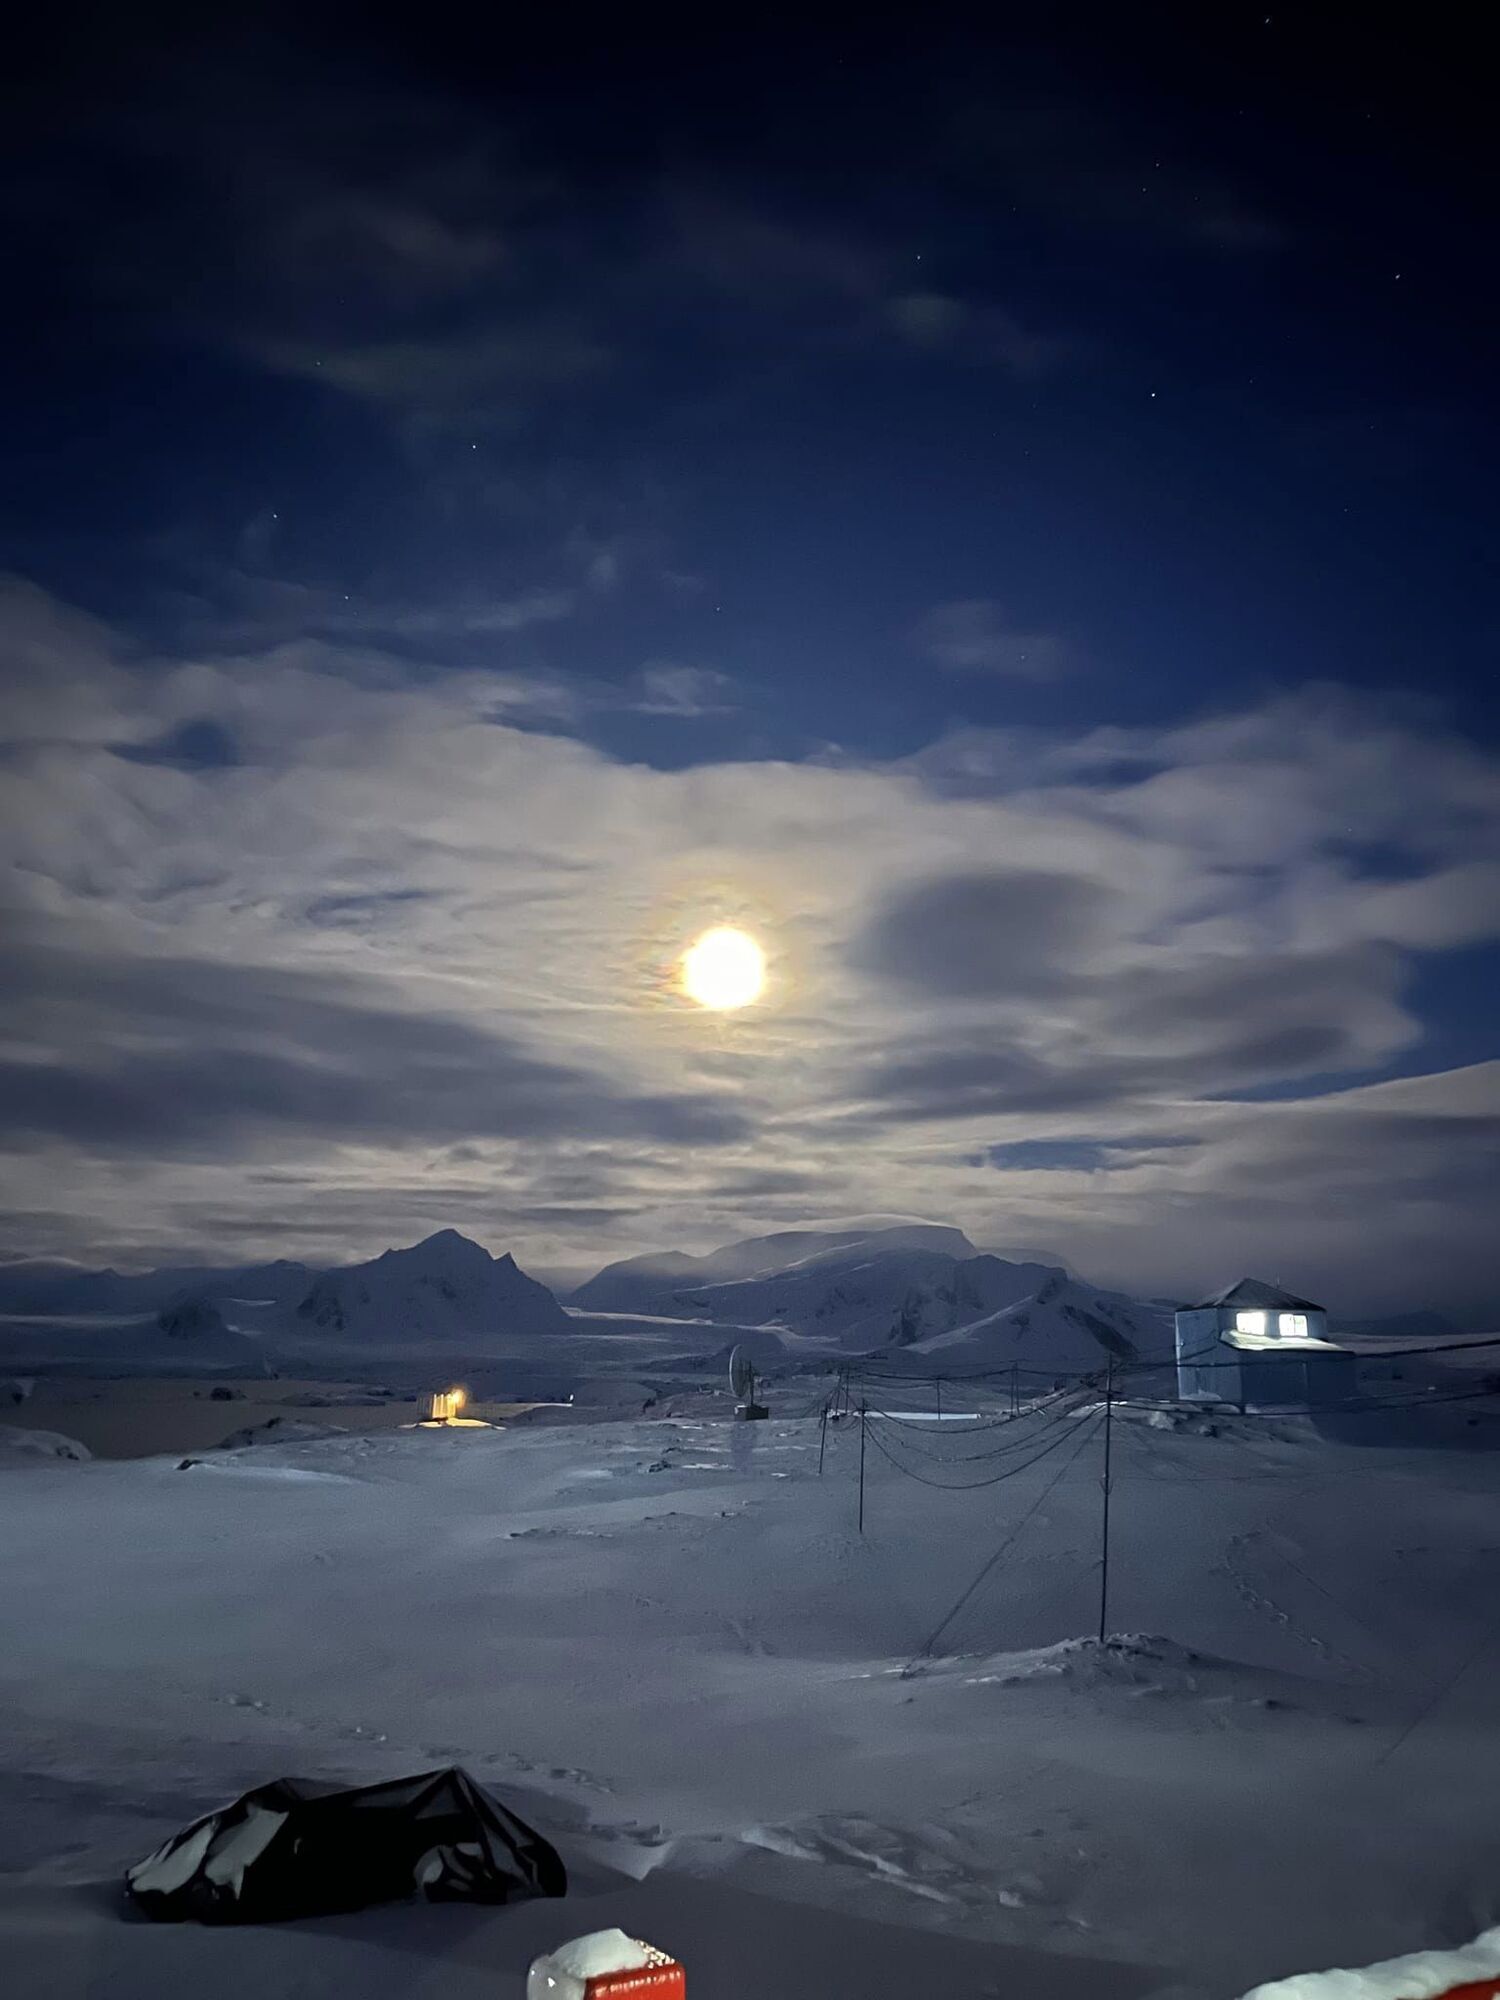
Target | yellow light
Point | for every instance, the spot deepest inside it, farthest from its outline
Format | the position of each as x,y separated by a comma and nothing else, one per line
456,1400
726,968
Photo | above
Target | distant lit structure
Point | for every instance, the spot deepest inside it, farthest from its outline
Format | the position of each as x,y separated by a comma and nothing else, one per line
1255,1346
448,1406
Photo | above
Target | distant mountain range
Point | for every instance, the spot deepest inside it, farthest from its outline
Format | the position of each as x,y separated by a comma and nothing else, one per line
919,1294
913,1289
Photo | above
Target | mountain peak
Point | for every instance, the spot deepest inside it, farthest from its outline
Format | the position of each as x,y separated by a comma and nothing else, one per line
447,1236
447,1287
445,1247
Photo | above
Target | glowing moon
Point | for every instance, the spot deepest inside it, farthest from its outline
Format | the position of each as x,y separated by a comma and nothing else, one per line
726,968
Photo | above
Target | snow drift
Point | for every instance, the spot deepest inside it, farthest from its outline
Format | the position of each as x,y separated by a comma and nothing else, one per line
26,1447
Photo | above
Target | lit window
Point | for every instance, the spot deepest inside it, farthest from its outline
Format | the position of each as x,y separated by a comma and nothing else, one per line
1294,1326
1250,1323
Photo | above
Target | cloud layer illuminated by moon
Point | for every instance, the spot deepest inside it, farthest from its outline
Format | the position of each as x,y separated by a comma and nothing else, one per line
1117,995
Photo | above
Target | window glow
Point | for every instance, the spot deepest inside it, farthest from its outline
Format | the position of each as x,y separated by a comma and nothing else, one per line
1294,1326
1250,1322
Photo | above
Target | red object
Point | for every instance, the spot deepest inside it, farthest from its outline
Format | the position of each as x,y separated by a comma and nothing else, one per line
1474,1989
666,1981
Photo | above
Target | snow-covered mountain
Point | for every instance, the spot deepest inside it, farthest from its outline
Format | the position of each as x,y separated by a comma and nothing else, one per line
659,1281
445,1290
916,1292
912,1289
35,1286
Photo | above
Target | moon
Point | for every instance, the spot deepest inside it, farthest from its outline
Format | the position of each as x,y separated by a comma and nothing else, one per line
725,969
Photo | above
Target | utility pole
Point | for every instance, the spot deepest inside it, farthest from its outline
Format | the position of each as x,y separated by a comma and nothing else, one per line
863,1408
1109,1413
822,1439
1015,1387
938,1384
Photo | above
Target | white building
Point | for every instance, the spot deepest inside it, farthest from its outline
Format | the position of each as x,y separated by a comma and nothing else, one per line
1255,1345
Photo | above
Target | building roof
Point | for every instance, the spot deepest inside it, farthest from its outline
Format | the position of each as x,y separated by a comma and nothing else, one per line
1255,1292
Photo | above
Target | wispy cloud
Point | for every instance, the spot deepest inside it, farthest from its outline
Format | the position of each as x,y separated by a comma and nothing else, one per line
940,323
666,688
1081,166
474,376
975,635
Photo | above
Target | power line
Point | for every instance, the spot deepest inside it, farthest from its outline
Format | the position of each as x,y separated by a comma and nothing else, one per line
1064,1432
930,1445
1007,1544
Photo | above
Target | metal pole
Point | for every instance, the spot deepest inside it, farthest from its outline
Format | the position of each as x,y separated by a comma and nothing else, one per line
939,1387
1015,1387
1109,1413
822,1440
863,1407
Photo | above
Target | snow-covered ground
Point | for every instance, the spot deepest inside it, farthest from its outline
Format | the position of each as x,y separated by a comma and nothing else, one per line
811,1763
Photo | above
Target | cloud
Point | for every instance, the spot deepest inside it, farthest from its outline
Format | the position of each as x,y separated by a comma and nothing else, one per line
1078,165
470,376
1079,1155
983,936
974,635
1161,1032
942,323
205,1061
841,284
330,913
932,1080
667,688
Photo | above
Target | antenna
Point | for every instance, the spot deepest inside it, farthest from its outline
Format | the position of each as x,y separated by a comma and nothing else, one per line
742,1383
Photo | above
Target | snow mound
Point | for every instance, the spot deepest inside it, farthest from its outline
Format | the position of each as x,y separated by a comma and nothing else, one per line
280,1430
1422,1975
25,1447
1193,1422
446,1290
612,1392
1124,1659
930,1862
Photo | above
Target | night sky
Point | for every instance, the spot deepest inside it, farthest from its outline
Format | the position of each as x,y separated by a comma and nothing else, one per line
1005,516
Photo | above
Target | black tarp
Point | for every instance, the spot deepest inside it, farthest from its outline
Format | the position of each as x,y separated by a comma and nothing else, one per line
298,1848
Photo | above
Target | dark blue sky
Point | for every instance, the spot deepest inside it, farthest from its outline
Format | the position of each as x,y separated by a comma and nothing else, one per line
821,393
1191,369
